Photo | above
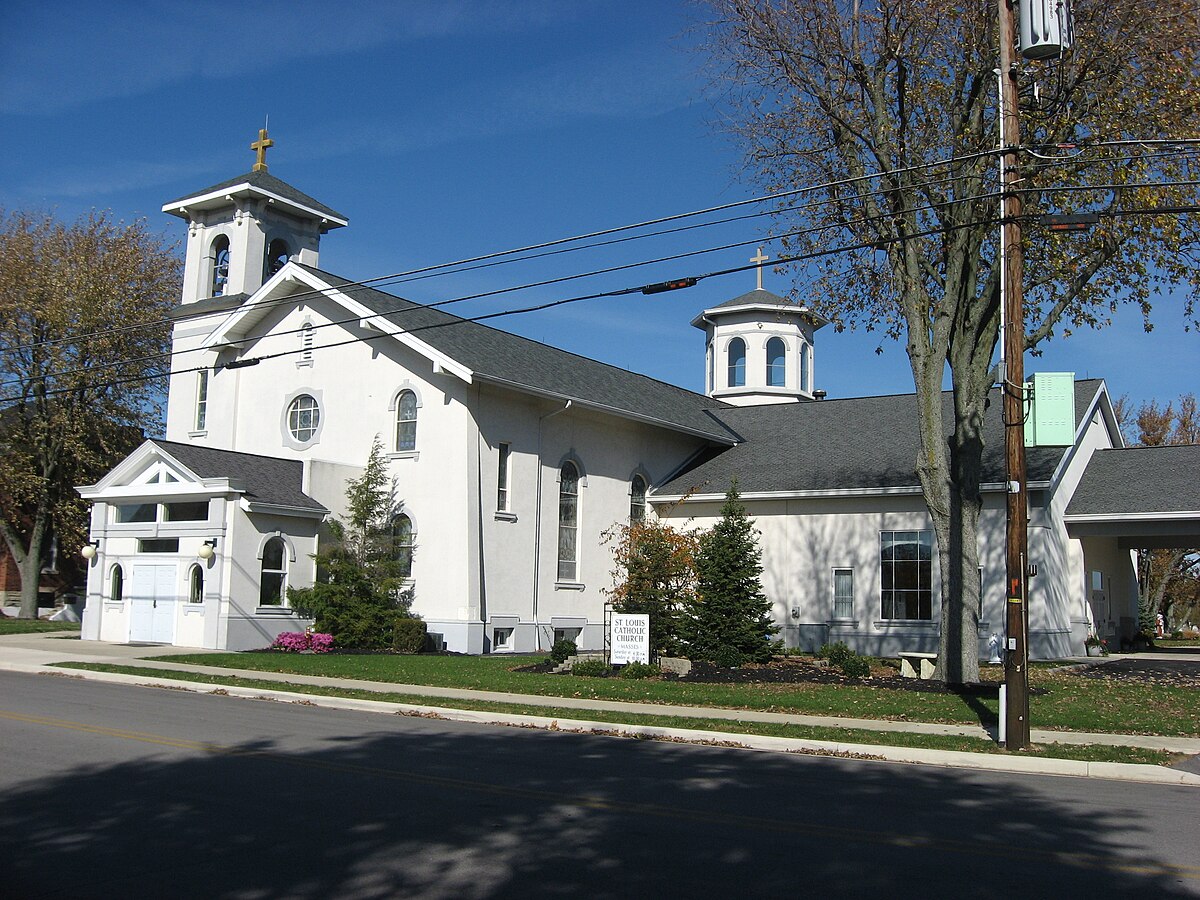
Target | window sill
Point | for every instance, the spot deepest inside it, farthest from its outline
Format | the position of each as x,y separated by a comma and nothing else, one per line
198,434
273,611
906,623
304,363
193,609
569,586
843,623
405,454
503,516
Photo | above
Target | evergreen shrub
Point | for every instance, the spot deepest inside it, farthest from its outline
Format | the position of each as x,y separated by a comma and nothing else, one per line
562,650
836,653
591,668
728,657
856,666
408,634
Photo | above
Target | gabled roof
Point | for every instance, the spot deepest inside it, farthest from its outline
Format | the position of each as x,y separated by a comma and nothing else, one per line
262,184
495,356
1140,481
865,444
266,480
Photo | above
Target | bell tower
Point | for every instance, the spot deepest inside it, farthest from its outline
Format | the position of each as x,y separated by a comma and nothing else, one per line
759,347
242,231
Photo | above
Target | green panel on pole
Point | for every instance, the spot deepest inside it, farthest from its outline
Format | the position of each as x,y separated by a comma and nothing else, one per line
1051,421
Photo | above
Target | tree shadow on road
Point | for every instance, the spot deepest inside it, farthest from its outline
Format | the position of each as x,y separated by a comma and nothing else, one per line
425,808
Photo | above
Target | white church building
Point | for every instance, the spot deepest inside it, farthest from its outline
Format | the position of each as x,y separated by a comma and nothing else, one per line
513,458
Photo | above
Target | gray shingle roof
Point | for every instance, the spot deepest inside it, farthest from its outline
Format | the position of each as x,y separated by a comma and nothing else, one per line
1140,480
267,480
861,443
758,296
267,182
499,356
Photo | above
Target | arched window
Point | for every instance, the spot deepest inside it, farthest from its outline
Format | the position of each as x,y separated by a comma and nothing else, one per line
402,544
278,254
737,362
220,265
304,415
406,422
116,585
273,580
637,499
568,522
196,585
806,368
776,362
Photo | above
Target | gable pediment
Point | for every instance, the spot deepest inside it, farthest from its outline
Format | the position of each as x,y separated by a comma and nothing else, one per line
295,284
152,472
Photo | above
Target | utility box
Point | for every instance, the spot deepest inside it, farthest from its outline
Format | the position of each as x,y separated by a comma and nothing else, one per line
1051,418
1046,28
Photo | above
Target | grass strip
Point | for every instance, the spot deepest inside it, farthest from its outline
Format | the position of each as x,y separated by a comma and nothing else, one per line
1086,752
34,626
1060,700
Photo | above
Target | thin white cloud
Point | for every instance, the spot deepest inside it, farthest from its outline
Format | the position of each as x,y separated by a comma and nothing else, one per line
57,56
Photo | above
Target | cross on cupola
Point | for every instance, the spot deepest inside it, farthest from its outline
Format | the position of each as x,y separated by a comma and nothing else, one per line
758,259
260,147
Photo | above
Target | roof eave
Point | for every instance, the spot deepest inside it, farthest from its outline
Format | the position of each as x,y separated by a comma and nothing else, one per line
604,408
327,219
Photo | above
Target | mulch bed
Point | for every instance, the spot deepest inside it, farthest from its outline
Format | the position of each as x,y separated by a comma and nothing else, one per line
1171,672
806,670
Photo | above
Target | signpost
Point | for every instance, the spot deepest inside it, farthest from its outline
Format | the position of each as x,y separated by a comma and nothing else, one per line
629,638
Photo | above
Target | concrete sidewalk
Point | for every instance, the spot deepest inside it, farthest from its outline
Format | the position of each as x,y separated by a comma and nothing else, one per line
37,653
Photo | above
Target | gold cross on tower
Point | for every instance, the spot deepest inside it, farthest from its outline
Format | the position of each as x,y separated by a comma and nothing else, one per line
759,258
260,147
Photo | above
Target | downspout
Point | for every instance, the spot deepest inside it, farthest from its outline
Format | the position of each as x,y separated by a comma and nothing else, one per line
537,527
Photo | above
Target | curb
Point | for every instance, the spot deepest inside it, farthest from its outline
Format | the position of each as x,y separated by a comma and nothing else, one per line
912,755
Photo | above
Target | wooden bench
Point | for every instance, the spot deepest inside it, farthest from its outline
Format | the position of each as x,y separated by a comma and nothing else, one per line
917,665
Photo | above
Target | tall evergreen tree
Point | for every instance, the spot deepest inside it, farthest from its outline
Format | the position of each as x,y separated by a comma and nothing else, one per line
360,593
730,614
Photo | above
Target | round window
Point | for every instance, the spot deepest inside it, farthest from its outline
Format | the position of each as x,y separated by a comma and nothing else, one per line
304,415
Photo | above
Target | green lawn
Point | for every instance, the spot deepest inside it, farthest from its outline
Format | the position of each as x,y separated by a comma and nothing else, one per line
1069,702
32,626
1091,753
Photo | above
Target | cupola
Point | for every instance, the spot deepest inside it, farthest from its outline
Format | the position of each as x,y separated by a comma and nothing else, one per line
759,347
242,231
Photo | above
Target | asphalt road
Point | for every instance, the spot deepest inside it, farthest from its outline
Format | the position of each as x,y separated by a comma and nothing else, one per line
116,791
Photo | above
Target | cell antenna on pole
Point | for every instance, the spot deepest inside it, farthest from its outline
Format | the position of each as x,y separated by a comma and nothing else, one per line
1047,29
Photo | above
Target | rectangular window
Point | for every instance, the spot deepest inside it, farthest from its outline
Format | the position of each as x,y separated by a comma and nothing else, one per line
192,511
201,400
843,593
503,451
159,545
906,574
137,512
502,638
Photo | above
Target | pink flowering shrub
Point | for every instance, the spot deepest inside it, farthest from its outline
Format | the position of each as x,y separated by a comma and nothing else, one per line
298,641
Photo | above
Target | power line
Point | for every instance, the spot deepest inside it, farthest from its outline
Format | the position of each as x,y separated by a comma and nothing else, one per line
872,245
497,258
439,267
350,287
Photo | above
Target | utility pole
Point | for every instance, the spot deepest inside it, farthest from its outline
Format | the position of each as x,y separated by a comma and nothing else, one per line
1016,656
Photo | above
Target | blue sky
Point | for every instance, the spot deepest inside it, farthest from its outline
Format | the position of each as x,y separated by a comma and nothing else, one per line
445,130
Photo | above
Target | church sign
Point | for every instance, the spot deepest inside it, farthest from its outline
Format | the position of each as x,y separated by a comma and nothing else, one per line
629,638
